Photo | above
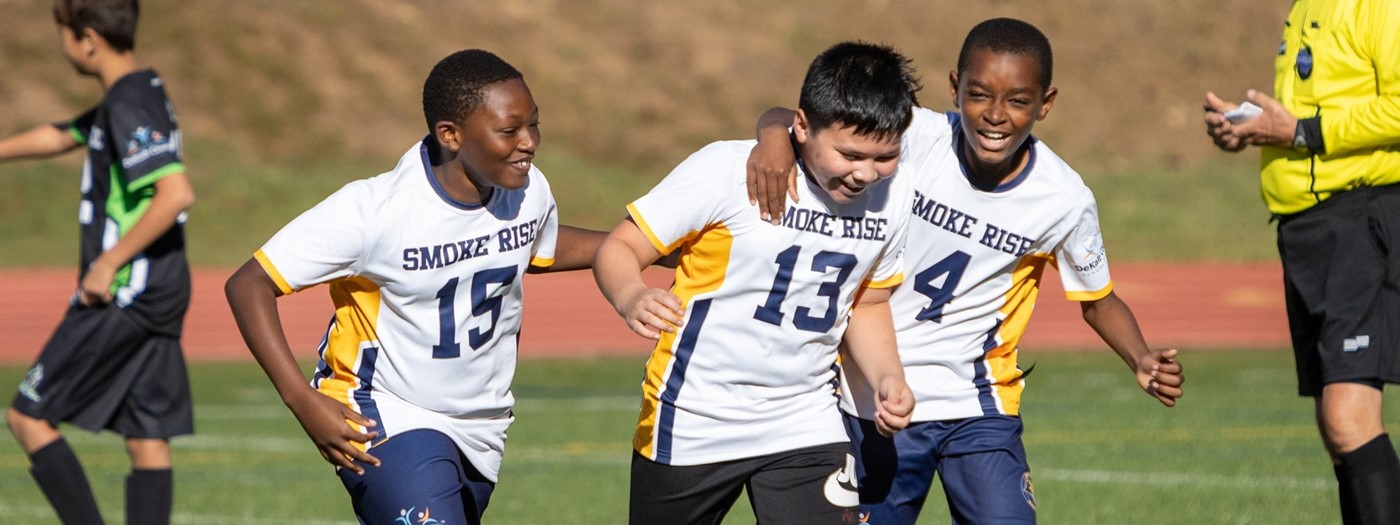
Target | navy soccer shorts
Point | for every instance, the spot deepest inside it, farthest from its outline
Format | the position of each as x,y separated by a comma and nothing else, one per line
101,369
422,479
980,460
807,486
1341,273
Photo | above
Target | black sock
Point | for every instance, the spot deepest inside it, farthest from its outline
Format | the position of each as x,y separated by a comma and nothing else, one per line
61,478
1373,471
1346,496
149,494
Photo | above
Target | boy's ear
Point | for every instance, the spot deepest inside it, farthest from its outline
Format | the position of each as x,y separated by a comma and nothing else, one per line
90,40
1047,101
449,135
953,85
801,128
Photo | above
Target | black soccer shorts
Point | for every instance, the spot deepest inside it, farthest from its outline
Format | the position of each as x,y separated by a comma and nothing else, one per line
1341,273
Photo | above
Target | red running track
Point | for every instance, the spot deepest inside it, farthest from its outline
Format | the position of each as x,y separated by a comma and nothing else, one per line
1196,306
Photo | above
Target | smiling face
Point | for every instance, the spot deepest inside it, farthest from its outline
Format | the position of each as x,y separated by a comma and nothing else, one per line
1000,98
495,143
842,162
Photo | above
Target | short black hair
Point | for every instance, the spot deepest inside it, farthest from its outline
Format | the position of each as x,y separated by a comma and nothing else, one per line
457,84
1010,36
114,20
866,86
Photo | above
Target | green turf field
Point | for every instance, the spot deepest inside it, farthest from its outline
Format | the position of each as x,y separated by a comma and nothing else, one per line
1239,449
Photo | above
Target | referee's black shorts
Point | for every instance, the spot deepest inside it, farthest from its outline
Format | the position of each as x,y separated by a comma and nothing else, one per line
1341,273
102,370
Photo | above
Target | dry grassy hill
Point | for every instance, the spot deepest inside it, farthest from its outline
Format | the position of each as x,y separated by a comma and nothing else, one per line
639,84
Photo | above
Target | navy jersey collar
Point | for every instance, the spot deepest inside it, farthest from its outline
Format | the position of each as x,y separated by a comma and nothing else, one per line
437,188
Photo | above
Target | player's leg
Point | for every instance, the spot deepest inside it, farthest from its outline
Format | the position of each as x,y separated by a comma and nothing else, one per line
1367,468
1344,335
985,473
693,495
808,486
150,486
73,380
422,479
157,408
894,474
55,469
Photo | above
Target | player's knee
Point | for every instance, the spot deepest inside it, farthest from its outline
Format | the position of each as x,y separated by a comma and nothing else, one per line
149,453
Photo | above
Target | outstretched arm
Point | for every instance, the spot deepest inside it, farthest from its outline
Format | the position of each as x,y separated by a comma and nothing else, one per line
41,141
252,295
574,250
618,271
1158,372
772,168
870,346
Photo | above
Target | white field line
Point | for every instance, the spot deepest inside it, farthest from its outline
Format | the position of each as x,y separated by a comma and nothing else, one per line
40,511
576,404
1185,480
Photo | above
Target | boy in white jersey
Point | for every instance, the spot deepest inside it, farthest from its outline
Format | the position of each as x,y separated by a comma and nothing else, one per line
739,392
411,399
992,207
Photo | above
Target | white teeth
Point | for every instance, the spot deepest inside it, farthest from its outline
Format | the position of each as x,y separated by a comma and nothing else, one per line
994,135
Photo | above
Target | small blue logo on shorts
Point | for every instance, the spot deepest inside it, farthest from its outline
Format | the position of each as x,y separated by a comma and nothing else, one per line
408,517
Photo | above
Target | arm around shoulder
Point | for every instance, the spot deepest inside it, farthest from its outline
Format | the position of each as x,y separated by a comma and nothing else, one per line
575,250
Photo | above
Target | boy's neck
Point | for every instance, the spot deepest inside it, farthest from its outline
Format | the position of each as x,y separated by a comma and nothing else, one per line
987,176
114,67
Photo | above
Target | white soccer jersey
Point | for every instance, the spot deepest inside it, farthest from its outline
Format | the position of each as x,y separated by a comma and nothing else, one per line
974,261
751,370
427,293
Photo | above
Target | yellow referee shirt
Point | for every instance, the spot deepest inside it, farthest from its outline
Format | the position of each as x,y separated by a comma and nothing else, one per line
1340,60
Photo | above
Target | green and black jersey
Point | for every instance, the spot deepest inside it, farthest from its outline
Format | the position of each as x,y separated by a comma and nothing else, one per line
132,141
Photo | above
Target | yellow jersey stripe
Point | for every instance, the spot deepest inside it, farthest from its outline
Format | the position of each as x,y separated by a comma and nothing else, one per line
272,272
701,270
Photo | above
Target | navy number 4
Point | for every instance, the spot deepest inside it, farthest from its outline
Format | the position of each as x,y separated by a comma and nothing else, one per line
483,302
952,267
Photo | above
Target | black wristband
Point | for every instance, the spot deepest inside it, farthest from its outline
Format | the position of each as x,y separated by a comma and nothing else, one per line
1308,135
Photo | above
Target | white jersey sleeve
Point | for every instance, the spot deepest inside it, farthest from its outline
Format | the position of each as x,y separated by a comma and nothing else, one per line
1082,258
690,198
324,243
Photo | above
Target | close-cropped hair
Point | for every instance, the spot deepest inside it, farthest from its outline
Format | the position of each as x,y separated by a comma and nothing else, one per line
868,87
114,20
458,83
1010,36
